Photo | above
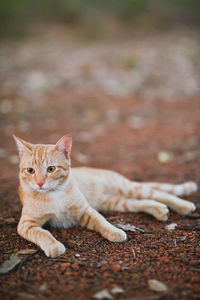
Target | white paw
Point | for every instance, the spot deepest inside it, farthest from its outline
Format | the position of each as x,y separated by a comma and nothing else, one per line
161,212
190,187
55,249
116,235
158,210
185,208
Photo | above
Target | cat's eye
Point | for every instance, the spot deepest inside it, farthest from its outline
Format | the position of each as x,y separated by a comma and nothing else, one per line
51,169
30,170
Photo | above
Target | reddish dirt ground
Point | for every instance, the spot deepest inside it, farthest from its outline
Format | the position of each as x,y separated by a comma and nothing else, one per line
124,134
172,257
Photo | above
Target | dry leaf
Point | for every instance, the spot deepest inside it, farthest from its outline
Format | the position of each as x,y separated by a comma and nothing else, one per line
85,136
26,251
165,157
2,153
157,286
9,220
129,227
43,287
80,157
117,290
135,122
92,115
113,115
171,226
104,294
9,264
6,106
14,159
26,296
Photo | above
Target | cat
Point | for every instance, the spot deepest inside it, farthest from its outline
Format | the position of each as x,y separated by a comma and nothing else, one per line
51,191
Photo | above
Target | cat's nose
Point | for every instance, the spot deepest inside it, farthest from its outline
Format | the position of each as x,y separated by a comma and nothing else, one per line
40,183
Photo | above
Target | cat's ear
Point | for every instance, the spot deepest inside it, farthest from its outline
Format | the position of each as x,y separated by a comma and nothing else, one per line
22,145
65,144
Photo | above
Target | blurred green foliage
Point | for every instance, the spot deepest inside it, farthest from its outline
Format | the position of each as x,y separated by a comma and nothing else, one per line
16,14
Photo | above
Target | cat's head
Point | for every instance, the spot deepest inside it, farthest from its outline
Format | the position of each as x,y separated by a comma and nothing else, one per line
44,168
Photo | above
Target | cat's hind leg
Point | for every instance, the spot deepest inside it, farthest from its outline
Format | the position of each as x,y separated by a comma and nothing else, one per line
120,185
122,204
181,206
133,190
184,189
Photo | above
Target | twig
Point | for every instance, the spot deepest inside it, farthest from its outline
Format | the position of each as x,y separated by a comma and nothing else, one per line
25,260
194,269
189,228
153,297
128,227
31,287
58,259
191,217
113,218
134,255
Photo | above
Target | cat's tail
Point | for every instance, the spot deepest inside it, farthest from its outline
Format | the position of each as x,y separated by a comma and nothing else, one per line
184,189
125,186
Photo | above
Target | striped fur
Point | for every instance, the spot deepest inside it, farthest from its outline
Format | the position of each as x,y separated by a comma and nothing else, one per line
69,196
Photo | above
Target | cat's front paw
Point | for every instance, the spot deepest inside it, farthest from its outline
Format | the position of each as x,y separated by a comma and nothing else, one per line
55,249
116,235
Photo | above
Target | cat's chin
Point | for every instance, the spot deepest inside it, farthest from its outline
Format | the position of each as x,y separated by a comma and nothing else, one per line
44,190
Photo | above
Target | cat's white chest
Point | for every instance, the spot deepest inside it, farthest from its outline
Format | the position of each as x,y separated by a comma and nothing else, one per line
60,215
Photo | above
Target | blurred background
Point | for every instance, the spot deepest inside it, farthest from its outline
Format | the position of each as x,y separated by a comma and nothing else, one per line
122,76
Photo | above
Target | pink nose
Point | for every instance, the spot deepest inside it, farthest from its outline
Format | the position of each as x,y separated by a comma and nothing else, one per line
40,183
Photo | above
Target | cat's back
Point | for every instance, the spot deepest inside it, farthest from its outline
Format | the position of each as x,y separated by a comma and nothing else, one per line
92,182
86,174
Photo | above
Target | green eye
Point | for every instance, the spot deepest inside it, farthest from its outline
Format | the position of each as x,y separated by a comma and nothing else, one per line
51,169
30,170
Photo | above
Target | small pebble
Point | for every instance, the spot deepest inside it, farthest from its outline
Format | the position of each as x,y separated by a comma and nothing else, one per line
6,106
103,269
64,266
104,294
75,266
165,157
157,286
116,267
117,290
171,226
14,159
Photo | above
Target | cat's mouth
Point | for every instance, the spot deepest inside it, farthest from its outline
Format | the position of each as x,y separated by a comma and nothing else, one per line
44,189
41,189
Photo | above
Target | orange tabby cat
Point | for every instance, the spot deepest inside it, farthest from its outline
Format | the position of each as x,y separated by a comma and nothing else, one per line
51,191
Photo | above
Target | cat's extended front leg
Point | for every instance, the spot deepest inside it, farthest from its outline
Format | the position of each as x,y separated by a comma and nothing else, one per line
93,220
32,231
88,217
